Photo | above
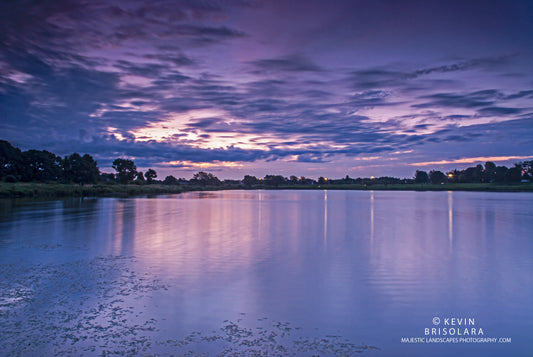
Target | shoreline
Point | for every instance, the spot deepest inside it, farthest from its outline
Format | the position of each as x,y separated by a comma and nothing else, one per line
55,190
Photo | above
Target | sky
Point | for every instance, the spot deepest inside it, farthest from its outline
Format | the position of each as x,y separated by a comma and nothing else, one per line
304,87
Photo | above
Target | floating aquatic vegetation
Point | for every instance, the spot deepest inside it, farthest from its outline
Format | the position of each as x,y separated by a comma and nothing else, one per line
95,307
76,307
270,339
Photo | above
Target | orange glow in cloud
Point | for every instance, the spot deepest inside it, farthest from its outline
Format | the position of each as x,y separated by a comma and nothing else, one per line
202,165
470,160
115,132
176,124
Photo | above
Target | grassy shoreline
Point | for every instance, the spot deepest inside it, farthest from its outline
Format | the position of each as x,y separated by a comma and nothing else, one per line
55,190
475,187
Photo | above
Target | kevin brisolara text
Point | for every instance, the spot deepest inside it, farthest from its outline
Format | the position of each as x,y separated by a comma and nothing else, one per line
454,340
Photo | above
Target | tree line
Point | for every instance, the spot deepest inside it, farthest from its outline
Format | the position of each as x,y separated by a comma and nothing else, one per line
44,166
490,173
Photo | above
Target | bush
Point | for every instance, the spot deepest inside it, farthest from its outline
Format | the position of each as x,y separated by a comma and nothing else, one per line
170,180
10,179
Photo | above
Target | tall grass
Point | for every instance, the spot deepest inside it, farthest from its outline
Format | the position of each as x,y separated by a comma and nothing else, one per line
73,190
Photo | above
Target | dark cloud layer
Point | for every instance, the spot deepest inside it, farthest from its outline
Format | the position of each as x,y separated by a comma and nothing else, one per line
290,64
305,82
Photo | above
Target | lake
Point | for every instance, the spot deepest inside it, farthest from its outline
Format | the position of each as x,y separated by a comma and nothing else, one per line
263,272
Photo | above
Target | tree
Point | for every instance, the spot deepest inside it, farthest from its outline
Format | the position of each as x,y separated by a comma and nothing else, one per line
306,181
150,175
170,180
293,180
489,172
41,166
527,170
421,177
80,169
274,180
126,170
230,182
248,181
347,180
473,174
513,175
11,161
139,180
499,173
205,179
436,177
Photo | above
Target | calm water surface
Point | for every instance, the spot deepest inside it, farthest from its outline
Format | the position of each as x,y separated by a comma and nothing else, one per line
276,272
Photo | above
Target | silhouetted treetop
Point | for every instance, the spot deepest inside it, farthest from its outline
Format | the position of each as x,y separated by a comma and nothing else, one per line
421,177
249,181
170,180
437,177
126,170
150,175
205,179
80,169
274,180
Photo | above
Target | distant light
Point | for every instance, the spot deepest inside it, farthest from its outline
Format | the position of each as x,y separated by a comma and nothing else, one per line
325,178
450,175
372,177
